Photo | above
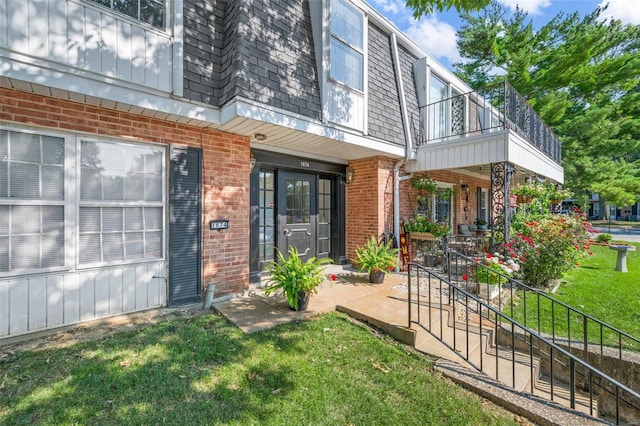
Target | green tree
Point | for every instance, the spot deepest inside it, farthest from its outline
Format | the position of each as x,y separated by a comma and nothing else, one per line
425,7
581,75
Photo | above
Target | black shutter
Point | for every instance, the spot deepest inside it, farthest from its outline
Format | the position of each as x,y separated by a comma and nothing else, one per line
185,252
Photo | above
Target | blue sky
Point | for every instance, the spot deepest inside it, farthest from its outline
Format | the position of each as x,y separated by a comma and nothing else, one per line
437,33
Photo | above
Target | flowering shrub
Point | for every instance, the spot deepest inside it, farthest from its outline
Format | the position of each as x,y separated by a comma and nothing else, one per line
496,269
549,247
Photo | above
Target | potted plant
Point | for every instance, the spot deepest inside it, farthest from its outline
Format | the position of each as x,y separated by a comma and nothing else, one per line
528,192
422,228
481,223
296,279
377,258
557,195
424,184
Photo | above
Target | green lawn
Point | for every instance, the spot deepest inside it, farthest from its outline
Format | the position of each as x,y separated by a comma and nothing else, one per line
596,289
202,370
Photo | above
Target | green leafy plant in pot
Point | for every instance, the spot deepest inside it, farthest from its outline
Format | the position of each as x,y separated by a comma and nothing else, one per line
481,223
297,279
376,258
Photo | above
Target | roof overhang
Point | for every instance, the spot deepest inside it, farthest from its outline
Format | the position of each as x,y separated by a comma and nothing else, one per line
479,151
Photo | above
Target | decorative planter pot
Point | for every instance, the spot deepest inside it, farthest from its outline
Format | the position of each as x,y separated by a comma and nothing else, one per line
303,301
426,236
522,199
376,277
488,291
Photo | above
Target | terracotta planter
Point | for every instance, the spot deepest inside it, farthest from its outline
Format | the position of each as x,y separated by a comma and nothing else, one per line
376,277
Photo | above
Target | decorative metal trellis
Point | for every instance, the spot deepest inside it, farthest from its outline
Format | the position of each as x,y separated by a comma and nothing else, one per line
499,206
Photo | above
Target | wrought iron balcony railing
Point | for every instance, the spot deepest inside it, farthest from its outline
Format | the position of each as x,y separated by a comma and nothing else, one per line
497,107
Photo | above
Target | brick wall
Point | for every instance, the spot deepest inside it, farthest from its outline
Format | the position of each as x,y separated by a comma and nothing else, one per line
369,201
225,174
408,197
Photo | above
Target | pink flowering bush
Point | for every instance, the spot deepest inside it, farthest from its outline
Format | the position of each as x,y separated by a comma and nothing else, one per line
549,247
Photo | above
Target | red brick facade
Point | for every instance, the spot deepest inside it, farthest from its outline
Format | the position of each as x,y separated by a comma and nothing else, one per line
369,201
461,199
225,170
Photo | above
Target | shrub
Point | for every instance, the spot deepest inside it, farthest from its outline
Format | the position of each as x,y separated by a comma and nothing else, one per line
604,238
549,247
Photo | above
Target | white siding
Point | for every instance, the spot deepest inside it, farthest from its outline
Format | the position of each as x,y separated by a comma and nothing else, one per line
88,38
47,301
492,147
346,107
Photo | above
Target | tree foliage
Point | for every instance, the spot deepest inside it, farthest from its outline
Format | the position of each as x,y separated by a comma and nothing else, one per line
425,7
581,75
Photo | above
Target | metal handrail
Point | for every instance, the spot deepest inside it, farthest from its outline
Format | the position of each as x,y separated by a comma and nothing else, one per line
583,344
592,378
495,107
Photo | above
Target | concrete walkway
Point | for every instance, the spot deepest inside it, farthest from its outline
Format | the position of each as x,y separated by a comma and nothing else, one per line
385,307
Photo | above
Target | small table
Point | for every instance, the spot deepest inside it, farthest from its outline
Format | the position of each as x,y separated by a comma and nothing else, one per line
621,262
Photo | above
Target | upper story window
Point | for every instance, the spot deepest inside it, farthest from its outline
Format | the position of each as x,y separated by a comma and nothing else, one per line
150,11
347,44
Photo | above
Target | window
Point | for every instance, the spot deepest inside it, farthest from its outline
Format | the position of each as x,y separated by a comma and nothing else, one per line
436,206
31,201
121,202
438,92
267,218
347,44
150,11
324,216
483,204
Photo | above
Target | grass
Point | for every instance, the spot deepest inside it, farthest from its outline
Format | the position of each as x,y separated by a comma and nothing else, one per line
597,290
202,370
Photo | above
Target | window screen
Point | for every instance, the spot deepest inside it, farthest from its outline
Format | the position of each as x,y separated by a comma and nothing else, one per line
31,201
121,213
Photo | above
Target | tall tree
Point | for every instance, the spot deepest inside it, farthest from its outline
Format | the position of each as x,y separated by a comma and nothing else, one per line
581,74
425,7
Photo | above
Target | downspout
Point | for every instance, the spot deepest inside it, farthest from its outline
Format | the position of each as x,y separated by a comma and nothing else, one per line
408,144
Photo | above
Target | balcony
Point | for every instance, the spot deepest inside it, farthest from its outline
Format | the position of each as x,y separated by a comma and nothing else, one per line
495,111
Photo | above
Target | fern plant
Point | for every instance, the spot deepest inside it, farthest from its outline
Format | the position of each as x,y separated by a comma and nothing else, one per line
293,276
374,256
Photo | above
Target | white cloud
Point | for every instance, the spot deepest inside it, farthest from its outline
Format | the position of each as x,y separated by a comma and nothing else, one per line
390,6
533,7
436,37
627,11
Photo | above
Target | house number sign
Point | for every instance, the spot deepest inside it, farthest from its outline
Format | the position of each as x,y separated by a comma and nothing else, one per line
304,164
219,224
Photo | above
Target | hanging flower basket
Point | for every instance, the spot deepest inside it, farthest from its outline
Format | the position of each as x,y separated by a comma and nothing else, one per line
524,199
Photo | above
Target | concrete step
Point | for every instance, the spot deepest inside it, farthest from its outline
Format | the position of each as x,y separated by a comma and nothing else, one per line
561,395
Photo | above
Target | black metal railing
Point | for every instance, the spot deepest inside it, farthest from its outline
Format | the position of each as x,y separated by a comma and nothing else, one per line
496,107
592,340
506,342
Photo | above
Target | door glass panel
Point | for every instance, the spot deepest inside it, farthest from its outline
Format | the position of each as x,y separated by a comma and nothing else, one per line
324,217
298,201
266,214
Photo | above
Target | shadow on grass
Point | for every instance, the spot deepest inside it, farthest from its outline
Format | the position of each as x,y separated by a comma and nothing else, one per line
167,373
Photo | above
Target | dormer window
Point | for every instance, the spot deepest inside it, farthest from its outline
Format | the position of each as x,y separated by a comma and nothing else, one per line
347,44
150,11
